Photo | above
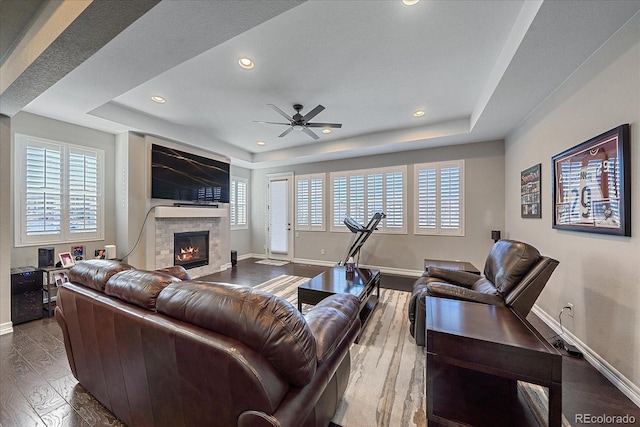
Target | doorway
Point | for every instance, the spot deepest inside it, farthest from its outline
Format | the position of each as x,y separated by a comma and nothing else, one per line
280,217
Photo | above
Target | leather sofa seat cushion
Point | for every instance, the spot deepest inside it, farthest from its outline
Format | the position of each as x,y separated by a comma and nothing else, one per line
330,321
138,287
94,273
264,322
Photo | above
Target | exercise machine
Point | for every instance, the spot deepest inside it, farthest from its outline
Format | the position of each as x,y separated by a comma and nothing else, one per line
360,235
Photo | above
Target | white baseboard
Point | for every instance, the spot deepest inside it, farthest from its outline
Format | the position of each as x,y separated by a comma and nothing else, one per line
6,328
621,382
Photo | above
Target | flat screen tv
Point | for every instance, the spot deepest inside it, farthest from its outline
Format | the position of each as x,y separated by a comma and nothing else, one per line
180,176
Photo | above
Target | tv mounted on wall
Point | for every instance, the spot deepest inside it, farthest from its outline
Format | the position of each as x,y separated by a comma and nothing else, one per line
180,176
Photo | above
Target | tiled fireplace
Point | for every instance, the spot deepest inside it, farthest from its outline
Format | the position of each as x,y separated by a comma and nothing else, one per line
168,227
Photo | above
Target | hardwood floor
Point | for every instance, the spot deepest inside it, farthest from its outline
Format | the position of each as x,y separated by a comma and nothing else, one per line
37,388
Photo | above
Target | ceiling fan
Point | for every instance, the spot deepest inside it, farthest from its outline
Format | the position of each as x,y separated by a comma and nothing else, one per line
300,122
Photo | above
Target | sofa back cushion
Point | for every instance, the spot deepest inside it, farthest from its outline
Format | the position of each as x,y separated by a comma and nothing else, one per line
94,273
268,324
508,262
138,287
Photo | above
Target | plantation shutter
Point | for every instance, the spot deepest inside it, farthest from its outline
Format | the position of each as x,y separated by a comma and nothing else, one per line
356,198
238,203
439,198
394,204
317,203
450,198
360,194
427,199
83,192
233,210
43,189
339,200
303,203
310,202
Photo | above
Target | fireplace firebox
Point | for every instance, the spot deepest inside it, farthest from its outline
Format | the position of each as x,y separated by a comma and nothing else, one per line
191,249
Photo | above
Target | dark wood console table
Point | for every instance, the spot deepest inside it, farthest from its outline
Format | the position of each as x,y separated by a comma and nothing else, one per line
362,283
451,265
475,355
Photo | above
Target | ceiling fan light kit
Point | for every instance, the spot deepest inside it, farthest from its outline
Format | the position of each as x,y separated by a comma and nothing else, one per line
301,123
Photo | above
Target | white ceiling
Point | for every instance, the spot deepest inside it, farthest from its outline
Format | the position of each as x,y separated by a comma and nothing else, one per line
477,68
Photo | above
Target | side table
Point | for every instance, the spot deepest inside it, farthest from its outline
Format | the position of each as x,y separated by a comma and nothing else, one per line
50,287
475,354
451,265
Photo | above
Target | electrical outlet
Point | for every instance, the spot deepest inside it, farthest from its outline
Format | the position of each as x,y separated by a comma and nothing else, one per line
570,309
321,251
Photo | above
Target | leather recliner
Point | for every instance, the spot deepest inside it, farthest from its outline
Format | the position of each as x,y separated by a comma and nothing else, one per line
514,275
158,351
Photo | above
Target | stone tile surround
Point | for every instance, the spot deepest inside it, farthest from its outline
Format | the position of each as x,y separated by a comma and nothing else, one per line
167,227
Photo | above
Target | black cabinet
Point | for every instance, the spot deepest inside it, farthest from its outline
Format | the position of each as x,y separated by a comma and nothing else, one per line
26,294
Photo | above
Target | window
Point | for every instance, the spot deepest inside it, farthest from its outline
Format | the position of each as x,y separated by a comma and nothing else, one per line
59,194
310,202
360,194
439,204
238,203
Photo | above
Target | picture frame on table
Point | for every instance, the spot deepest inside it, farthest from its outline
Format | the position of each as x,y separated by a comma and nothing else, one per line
66,259
77,252
61,277
530,200
592,185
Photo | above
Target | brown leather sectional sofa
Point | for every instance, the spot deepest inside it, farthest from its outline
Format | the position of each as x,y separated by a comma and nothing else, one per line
160,351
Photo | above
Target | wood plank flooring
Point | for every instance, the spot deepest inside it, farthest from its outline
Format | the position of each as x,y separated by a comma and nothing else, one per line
38,389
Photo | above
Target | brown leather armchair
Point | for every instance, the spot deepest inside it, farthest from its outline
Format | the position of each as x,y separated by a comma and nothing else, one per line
514,275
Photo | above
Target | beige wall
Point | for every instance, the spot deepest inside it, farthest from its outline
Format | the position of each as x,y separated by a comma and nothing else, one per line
599,274
30,124
484,208
241,239
5,224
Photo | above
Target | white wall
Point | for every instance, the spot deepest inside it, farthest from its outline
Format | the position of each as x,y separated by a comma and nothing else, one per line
484,208
599,274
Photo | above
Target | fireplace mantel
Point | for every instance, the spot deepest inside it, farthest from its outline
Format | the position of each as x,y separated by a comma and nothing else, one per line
189,212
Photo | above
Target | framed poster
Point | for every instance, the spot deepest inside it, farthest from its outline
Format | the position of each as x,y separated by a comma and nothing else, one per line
592,185
530,192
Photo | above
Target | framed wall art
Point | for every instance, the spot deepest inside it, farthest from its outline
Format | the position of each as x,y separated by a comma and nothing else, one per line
592,185
530,192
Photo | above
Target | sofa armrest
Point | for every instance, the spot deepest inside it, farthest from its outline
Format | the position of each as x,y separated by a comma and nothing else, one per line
331,320
458,277
446,290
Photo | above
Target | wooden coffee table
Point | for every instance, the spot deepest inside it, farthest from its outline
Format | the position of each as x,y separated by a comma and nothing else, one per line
361,283
475,355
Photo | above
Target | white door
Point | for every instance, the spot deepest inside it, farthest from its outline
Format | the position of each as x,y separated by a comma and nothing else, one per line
280,212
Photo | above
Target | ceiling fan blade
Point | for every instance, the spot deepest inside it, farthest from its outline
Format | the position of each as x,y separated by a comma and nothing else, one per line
286,132
282,113
310,133
324,125
311,114
271,123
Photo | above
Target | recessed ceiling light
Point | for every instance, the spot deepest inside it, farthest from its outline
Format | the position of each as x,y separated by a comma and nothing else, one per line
409,2
326,130
158,99
246,63
418,113
261,143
